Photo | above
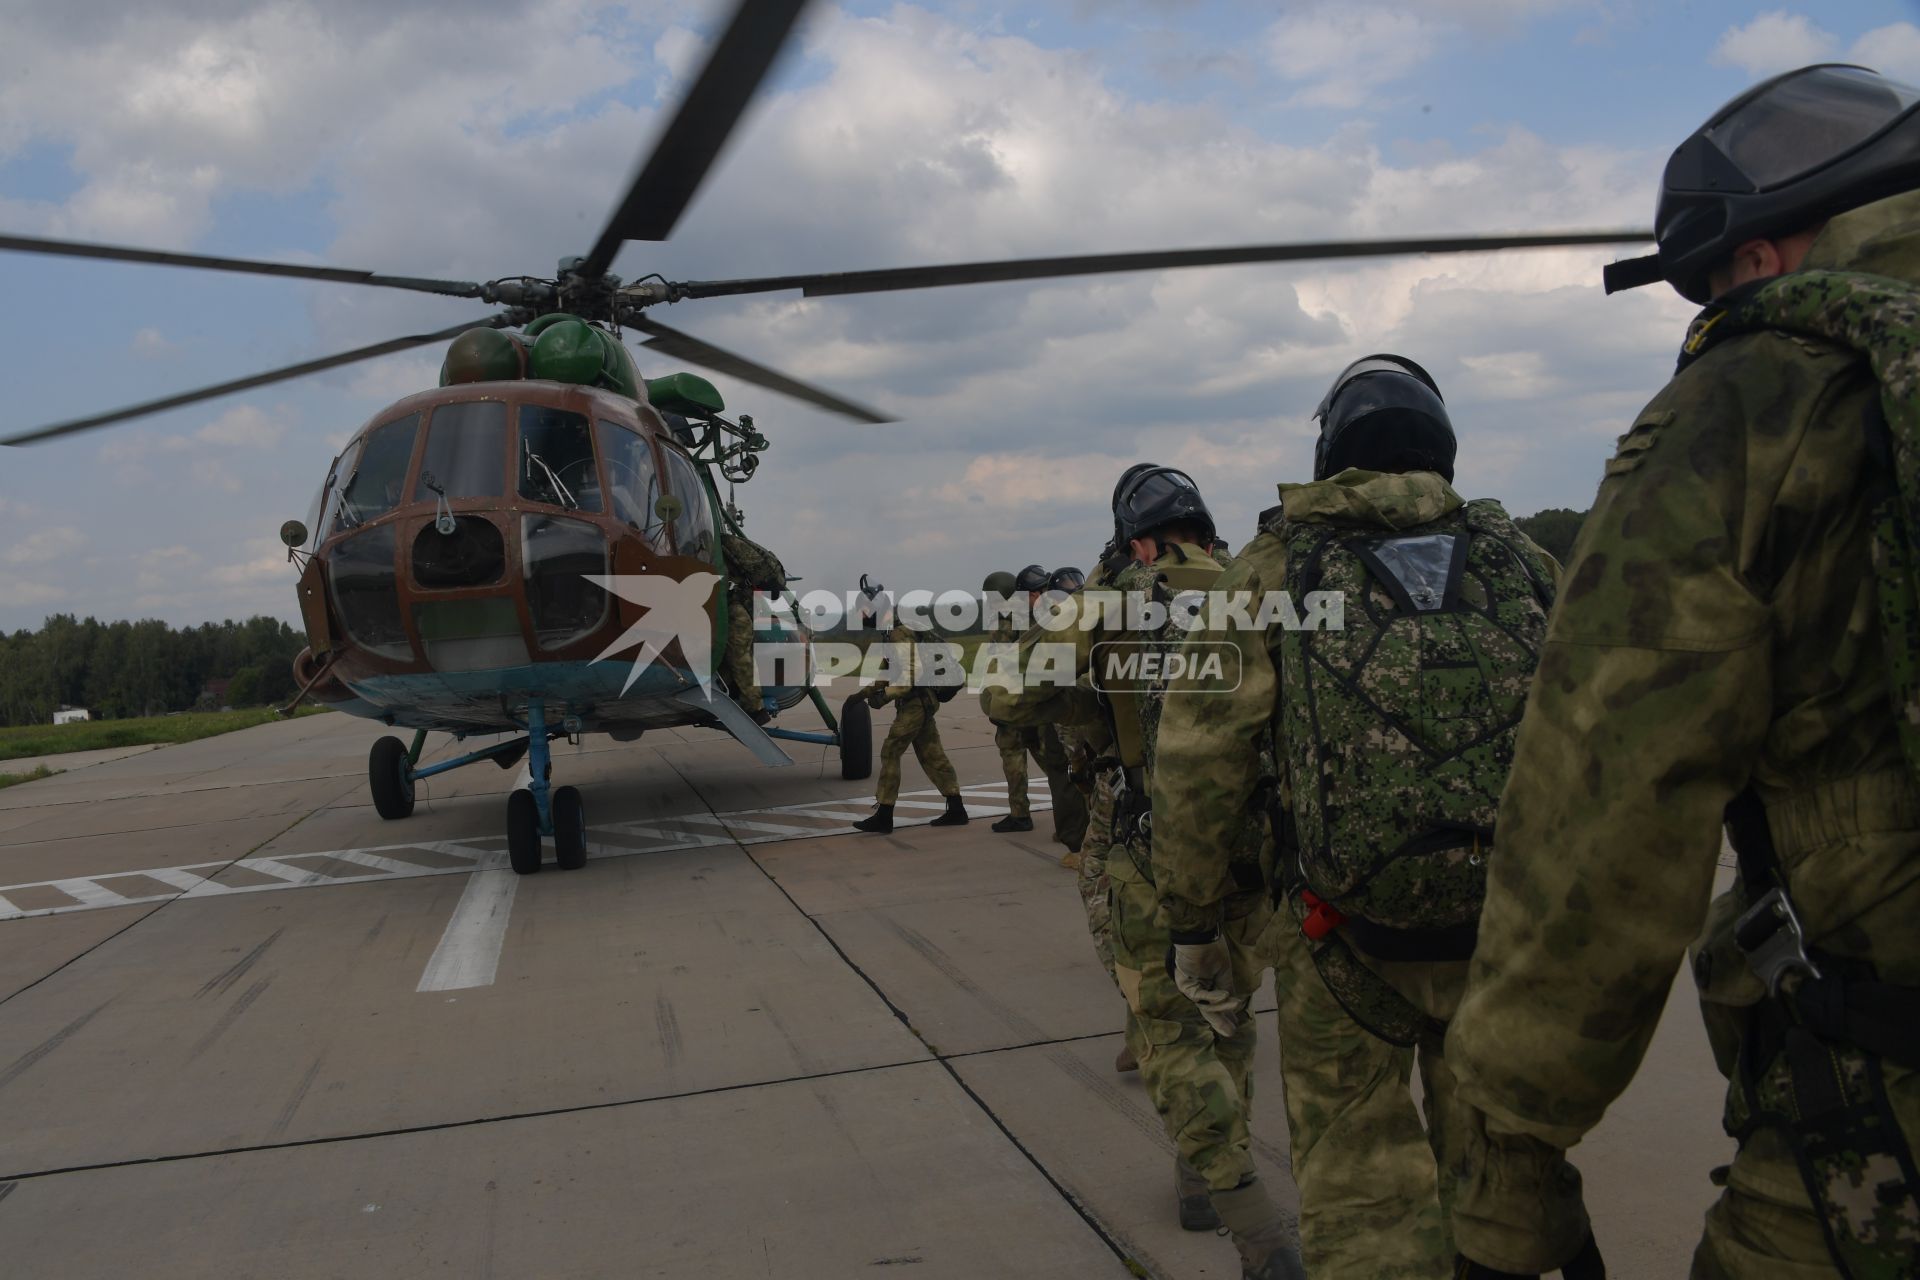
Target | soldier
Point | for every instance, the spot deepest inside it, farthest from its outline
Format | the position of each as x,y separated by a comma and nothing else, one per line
1736,640
914,707
750,568
1391,730
1010,742
1045,744
1197,1079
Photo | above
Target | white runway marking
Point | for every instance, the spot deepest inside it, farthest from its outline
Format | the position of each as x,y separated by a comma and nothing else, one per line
476,855
469,950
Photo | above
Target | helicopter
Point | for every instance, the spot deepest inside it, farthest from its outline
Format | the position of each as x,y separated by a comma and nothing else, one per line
477,550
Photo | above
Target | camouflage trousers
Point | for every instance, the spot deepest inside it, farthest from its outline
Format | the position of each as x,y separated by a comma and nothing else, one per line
1043,743
1372,1191
1011,743
1764,1225
1093,881
913,727
738,659
1199,1082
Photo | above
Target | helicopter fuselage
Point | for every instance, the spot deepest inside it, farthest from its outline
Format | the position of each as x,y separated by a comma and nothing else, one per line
455,543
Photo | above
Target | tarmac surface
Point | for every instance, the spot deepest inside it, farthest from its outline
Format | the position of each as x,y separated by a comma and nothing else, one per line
247,1028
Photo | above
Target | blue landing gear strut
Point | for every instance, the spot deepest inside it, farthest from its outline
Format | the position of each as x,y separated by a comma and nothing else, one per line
534,812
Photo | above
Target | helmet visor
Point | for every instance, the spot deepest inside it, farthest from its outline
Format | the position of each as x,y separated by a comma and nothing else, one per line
1806,120
1157,488
1374,364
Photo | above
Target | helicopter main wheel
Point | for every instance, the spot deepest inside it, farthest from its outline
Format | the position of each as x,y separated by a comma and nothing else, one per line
523,832
390,778
569,829
856,738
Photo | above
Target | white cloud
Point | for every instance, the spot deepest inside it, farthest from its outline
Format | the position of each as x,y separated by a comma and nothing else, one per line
910,139
1773,42
1780,41
44,545
1346,52
1892,50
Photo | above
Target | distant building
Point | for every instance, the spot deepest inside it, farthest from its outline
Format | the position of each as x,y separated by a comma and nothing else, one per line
214,692
67,715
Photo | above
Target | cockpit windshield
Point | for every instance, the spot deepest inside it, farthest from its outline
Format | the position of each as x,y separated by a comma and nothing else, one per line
556,459
372,474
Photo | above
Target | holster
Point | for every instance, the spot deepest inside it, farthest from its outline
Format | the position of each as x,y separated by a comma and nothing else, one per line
1810,1067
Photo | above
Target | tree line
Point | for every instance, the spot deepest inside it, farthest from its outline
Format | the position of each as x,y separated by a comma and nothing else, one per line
122,669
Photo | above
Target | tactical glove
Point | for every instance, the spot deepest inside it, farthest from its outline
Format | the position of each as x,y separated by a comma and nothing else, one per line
1201,966
877,696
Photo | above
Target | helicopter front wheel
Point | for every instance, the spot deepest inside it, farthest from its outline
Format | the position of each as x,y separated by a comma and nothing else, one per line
569,829
523,831
390,778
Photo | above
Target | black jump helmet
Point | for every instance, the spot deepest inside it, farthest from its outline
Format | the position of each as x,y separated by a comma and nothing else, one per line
1149,497
1384,413
1781,157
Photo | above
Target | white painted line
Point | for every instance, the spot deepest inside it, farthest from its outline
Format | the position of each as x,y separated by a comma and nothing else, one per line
392,866
89,893
488,853
469,950
182,877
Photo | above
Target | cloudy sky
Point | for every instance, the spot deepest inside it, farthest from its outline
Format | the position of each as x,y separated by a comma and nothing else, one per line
489,137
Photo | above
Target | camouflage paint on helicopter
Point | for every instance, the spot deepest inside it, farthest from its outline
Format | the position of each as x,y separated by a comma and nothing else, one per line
463,544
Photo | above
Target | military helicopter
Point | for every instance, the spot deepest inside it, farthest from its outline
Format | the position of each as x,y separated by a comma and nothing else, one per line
476,549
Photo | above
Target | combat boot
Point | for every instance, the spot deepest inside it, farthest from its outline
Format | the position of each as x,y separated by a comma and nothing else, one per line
1196,1207
955,816
1262,1236
1124,1061
1011,823
880,823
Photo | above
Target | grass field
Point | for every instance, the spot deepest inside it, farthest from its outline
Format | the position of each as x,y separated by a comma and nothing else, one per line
25,741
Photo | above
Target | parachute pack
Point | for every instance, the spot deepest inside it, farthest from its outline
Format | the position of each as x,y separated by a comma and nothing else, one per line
1399,726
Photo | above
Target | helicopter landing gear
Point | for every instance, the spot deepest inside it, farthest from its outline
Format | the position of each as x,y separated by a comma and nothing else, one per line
523,832
569,829
390,778
539,809
856,738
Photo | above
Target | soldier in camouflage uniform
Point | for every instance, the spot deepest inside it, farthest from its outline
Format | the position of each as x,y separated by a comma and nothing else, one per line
914,706
1369,759
1041,741
1009,741
1726,643
750,568
1198,1080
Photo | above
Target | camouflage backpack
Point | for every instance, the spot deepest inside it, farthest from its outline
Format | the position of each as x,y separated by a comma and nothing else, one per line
1399,726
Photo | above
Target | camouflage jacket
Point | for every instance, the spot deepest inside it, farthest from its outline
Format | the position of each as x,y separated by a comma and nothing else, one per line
1716,628
1061,692
752,565
1209,749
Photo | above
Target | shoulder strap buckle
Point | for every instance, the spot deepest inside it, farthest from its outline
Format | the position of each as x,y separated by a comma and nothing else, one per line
1770,937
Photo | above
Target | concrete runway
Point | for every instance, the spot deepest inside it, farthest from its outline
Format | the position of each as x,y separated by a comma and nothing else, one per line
247,1028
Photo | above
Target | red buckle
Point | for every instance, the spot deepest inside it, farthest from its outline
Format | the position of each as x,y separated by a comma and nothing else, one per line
1322,918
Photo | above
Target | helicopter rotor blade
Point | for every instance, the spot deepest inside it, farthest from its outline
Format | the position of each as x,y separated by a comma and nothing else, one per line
685,346
886,279
388,347
246,266
692,140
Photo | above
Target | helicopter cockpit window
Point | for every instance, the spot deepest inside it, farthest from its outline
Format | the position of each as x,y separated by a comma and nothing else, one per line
556,459
556,553
633,481
466,452
693,527
373,474
364,592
